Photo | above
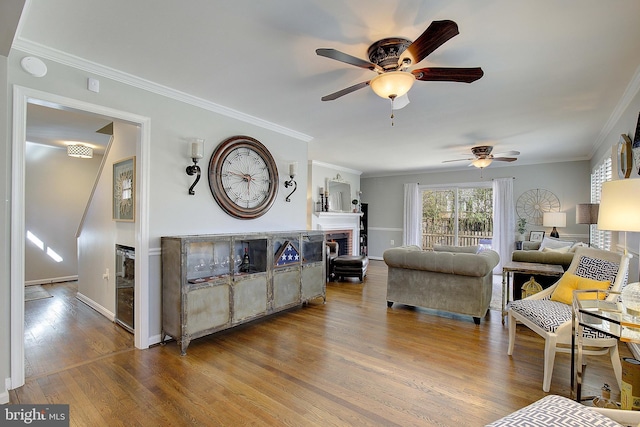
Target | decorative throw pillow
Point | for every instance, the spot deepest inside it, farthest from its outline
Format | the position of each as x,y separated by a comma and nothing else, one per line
530,246
549,242
597,269
570,282
577,245
563,250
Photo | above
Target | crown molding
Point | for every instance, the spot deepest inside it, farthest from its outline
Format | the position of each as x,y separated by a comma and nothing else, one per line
630,92
340,168
73,61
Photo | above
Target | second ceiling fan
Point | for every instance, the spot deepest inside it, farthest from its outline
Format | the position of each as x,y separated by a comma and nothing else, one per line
483,157
392,57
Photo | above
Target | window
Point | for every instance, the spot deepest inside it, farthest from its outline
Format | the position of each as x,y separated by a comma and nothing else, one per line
602,173
459,215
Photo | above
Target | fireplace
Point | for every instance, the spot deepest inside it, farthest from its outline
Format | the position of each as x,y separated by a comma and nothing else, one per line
344,239
344,225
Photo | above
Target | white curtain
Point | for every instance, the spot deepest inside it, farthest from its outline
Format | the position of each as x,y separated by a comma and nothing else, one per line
504,220
412,231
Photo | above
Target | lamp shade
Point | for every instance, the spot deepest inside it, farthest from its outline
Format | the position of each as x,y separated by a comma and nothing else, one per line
620,205
392,83
587,213
554,219
81,151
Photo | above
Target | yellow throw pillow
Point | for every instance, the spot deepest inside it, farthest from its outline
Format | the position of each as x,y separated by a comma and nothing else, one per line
570,282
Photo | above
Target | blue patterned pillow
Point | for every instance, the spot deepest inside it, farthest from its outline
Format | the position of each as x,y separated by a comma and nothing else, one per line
597,269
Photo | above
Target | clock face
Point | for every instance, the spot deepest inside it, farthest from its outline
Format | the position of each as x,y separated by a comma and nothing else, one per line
243,177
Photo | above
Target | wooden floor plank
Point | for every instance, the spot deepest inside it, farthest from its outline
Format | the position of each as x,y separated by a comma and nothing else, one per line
351,361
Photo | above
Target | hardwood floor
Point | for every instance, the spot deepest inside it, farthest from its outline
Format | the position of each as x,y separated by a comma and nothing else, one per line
351,361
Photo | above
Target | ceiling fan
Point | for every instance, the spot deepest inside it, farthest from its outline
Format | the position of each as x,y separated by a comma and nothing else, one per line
483,157
392,57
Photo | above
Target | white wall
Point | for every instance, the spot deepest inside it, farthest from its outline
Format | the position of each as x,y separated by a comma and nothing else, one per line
172,211
57,188
569,181
625,125
100,233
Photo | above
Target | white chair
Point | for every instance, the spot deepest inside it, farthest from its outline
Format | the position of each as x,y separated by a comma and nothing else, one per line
552,320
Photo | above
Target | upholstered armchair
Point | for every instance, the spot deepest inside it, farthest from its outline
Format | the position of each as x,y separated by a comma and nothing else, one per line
547,315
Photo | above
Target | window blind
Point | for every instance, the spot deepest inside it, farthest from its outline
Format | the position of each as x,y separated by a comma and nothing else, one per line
600,174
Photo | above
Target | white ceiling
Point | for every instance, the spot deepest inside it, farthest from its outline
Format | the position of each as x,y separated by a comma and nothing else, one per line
555,71
59,128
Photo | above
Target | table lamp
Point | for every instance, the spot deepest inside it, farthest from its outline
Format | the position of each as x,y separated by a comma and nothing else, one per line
620,211
587,213
554,219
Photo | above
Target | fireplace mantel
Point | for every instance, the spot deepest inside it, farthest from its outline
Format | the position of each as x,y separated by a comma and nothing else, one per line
336,215
328,221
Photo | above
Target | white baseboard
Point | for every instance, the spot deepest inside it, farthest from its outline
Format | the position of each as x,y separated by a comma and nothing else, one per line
51,280
154,339
97,307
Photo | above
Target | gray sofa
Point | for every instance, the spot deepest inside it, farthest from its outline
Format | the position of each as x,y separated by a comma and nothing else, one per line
530,253
452,279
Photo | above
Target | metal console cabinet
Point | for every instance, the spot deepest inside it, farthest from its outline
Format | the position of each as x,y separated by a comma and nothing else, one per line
215,282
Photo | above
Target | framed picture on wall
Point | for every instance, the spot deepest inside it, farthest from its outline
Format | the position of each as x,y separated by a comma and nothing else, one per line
124,190
536,236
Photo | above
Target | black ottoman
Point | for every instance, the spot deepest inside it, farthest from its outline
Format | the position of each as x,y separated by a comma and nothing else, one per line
350,266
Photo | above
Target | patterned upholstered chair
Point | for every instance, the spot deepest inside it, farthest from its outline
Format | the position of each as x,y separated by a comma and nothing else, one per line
555,410
552,319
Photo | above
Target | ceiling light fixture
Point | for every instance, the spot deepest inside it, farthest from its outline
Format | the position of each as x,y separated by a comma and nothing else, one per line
80,151
482,163
392,84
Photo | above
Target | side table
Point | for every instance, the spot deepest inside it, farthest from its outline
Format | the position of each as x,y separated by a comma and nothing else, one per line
602,312
526,268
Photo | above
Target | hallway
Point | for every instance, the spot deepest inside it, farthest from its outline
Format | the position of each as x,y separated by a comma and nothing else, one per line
62,332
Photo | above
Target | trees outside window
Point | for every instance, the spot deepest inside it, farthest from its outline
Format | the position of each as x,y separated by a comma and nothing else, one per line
459,216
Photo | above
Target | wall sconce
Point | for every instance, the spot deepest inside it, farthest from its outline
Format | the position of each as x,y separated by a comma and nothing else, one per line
195,152
293,170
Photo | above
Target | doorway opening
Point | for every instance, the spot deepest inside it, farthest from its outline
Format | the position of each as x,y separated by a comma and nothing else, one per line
21,98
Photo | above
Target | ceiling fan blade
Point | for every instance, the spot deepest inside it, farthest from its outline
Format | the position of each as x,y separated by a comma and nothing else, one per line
508,153
348,59
433,37
345,91
457,160
505,159
445,74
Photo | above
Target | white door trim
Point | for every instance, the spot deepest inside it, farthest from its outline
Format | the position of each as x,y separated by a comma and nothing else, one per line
21,97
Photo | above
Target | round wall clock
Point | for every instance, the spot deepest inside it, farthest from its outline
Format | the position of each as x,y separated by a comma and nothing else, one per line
243,177
532,204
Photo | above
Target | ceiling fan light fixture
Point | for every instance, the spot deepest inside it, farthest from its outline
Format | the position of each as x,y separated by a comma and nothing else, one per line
481,163
392,84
